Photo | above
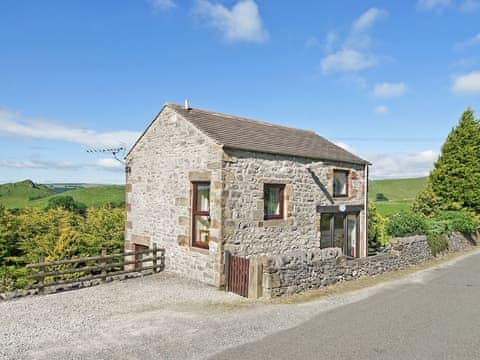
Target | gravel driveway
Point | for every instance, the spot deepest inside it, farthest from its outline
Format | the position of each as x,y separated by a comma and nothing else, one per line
156,317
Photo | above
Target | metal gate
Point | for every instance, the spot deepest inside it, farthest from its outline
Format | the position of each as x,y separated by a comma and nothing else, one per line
237,274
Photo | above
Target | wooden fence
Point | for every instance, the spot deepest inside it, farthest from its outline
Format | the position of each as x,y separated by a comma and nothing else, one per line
101,267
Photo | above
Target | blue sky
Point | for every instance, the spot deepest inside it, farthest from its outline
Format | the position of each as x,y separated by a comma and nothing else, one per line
387,80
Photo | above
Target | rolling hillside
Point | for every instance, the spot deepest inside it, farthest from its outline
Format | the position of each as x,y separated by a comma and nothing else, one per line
400,193
19,194
27,193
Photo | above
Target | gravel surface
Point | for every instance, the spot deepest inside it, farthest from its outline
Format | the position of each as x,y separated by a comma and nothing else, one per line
161,316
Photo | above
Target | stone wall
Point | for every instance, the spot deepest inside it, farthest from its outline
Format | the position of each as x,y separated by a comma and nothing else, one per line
307,183
171,154
297,272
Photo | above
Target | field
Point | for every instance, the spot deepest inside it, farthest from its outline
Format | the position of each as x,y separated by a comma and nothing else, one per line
27,193
18,195
399,192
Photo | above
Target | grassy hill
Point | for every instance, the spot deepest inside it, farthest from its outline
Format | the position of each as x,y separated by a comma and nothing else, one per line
90,196
27,193
400,193
19,194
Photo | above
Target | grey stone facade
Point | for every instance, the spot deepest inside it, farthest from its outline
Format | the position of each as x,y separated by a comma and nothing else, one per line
297,272
172,153
308,184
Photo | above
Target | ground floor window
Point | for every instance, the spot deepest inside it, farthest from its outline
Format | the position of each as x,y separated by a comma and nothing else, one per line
341,231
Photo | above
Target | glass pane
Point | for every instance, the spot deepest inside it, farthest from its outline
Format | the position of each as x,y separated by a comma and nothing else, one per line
339,233
271,204
351,235
202,223
340,183
203,197
325,233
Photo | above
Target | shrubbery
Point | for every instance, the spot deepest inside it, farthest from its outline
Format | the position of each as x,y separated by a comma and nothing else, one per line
57,233
407,224
437,243
377,235
461,220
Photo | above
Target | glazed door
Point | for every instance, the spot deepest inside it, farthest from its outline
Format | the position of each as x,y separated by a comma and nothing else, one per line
351,248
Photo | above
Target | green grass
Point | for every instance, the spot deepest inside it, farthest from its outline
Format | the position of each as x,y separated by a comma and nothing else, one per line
19,194
26,193
397,189
91,196
388,208
400,194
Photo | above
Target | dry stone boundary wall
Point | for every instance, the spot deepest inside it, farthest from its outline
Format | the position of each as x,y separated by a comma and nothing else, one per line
297,272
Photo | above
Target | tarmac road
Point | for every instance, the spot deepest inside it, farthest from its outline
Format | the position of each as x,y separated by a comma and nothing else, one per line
436,317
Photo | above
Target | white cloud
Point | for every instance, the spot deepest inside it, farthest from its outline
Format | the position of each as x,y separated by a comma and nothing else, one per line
14,124
428,5
240,23
106,163
162,5
380,109
37,164
469,6
346,60
402,165
103,163
464,63
389,90
368,18
467,83
354,53
473,41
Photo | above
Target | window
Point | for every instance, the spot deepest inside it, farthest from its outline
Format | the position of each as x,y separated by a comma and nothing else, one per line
340,231
273,201
201,214
340,183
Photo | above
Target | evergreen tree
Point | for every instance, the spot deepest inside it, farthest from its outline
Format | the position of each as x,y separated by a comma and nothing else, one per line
456,174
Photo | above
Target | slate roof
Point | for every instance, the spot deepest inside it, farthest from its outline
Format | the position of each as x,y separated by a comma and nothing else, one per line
245,134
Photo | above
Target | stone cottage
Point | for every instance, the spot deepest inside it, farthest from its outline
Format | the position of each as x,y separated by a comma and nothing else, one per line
199,183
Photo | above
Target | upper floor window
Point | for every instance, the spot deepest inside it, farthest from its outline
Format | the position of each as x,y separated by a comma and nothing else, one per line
273,201
340,183
201,214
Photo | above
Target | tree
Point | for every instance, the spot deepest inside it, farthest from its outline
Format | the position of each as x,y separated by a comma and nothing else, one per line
67,203
427,202
454,178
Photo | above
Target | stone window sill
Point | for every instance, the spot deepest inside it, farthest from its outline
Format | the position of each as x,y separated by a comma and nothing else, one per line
199,250
274,222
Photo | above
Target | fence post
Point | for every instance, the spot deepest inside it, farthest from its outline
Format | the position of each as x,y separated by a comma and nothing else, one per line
154,255
104,266
41,279
226,269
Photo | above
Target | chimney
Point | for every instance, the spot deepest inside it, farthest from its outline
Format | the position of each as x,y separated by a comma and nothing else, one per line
187,105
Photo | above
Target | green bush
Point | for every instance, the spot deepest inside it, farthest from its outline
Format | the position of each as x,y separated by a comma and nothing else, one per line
461,220
67,203
377,235
437,243
381,197
407,224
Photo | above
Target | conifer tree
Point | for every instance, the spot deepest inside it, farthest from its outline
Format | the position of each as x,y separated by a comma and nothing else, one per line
455,178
